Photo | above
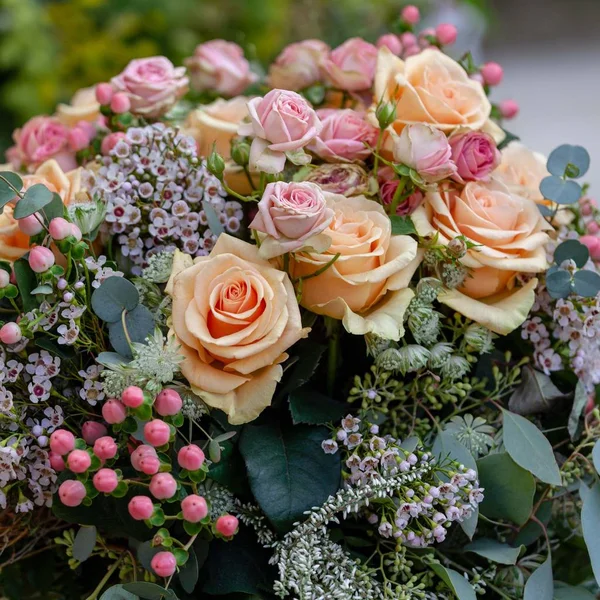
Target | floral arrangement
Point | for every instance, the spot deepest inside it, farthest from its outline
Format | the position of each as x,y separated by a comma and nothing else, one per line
333,339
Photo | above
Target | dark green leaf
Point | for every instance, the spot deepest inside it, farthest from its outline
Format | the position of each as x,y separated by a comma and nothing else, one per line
114,296
509,489
579,402
572,250
562,591
34,199
508,138
307,355
188,574
530,448
455,581
590,522
312,407
145,554
586,283
559,190
282,463
212,218
6,192
536,394
84,543
150,591
315,94
447,445
540,586
55,209
26,281
402,225
562,157
118,592
558,283
495,551
109,359
64,352
140,324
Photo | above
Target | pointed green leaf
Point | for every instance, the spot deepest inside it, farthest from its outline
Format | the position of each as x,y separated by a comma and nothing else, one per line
455,581
540,586
84,543
590,522
579,403
495,551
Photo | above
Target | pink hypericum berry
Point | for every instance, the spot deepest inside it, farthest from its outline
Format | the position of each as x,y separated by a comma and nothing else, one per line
133,396
120,103
76,232
106,480
593,245
40,259
10,333
163,486
157,432
408,39
391,42
509,109
492,73
104,93
92,430
139,453
190,457
79,461
56,461
168,403
194,508
410,14
31,225
105,447
4,278
149,464
59,228
593,227
446,34
71,492
62,441
140,508
163,564
113,411
227,525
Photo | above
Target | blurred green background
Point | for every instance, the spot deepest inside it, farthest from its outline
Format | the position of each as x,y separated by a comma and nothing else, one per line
50,48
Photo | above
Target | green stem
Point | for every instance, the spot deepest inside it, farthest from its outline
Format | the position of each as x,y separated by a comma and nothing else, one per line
249,177
124,323
397,196
377,147
318,271
333,327
105,579
234,193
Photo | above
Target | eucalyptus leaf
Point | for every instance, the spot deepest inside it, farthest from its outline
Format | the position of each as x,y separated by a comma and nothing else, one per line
560,158
6,191
26,282
509,489
149,591
590,522
530,448
455,581
84,543
586,283
596,456
579,402
560,190
495,551
145,553
114,296
34,199
139,323
188,574
562,591
314,408
402,225
469,525
109,359
54,209
447,445
540,585
573,250
42,289
558,283
118,592
212,218
536,394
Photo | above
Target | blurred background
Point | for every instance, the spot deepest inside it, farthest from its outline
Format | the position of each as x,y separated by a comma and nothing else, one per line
549,49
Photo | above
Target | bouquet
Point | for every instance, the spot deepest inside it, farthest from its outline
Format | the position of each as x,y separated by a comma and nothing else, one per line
335,338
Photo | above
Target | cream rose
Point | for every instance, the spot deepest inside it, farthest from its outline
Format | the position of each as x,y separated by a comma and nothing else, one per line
83,107
235,316
510,234
216,123
432,88
367,286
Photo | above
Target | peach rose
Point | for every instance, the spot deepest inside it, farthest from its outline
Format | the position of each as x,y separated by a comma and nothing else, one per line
367,286
298,65
218,123
510,234
83,107
235,316
13,243
430,87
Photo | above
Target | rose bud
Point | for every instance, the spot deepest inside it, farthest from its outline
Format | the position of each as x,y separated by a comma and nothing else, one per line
475,155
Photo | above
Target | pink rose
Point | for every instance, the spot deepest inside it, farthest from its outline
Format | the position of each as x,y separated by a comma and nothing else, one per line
351,66
220,66
291,215
298,66
343,136
475,155
388,184
40,139
343,178
282,122
426,150
153,85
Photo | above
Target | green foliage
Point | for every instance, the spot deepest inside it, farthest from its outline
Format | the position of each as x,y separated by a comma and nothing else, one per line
540,585
8,181
314,408
150,591
573,250
84,543
590,522
495,551
118,592
572,161
402,225
455,581
139,324
114,296
34,200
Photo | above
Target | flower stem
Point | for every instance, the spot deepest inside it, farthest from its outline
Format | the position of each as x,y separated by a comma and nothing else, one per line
377,147
397,195
333,329
105,579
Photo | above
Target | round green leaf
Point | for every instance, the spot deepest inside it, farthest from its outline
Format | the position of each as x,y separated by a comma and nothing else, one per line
150,591
139,323
596,456
572,250
560,191
6,191
117,592
562,591
34,199
586,283
558,283
567,156
114,296
84,543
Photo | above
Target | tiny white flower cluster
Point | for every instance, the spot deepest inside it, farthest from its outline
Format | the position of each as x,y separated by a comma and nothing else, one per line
157,194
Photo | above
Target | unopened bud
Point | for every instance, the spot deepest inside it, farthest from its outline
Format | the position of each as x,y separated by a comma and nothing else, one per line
215,164
457,247
240,152
386,114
